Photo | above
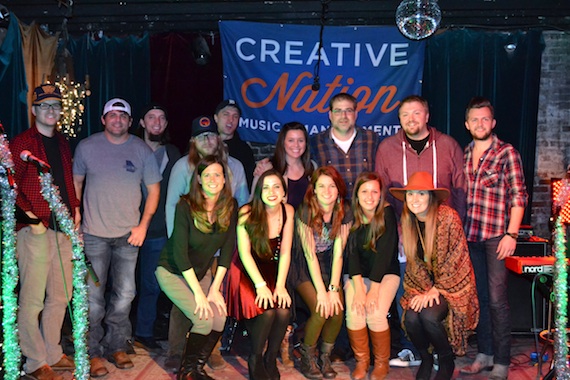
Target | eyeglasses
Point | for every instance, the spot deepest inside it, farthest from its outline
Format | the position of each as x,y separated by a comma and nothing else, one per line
348,111
47,106
205,136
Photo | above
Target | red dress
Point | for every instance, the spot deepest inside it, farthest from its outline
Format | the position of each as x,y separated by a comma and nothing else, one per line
241,290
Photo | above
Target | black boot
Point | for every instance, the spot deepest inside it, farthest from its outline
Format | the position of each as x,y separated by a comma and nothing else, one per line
256,367
424,372
270,360
309,367
189,363
325,361
446,366
204,354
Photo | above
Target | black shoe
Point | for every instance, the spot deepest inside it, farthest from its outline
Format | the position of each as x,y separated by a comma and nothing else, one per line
148,344
129,349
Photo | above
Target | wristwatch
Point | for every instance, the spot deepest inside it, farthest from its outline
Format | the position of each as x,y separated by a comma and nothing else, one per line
334,288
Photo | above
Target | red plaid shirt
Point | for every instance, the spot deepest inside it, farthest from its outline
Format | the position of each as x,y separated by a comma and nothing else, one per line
29,196
492,190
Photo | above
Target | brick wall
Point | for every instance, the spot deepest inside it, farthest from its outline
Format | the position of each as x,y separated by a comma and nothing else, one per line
553,134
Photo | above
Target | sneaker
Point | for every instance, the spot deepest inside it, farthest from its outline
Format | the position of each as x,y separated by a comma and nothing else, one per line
405,358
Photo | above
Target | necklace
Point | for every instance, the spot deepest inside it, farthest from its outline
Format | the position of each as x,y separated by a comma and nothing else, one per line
421,238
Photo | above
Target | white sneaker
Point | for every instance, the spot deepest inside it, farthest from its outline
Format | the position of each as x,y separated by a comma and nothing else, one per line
405,358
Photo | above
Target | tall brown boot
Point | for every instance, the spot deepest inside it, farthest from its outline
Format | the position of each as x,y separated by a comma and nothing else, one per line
359,344
381,347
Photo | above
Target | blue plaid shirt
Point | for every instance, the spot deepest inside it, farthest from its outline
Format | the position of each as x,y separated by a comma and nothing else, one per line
359,158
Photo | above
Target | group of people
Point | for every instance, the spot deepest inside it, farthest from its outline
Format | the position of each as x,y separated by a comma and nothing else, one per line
351,225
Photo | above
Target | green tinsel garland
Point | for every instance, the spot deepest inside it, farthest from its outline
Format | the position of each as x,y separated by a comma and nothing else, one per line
80,301
11,348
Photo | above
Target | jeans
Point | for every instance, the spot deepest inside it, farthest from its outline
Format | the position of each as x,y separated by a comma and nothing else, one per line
114,261
45,289
427,327
149,290
491,276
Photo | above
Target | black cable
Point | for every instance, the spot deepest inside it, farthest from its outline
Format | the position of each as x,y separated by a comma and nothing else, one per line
316,78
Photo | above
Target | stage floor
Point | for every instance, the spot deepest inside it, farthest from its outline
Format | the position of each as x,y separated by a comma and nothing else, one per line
151,366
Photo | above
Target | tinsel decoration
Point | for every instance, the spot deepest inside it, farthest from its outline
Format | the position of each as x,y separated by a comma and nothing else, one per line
560,290
10,347
80,302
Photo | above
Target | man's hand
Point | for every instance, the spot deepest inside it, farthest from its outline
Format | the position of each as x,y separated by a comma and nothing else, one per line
138,234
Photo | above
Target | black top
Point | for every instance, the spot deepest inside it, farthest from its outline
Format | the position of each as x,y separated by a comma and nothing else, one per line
188,247
241,151
370,264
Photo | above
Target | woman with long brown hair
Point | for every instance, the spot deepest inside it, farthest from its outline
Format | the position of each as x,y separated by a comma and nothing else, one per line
322,225
257,291
374,273
440,297
205,222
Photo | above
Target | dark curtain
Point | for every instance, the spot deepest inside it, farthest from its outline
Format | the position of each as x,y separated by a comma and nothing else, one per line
117,67
13,85
186,89
503,67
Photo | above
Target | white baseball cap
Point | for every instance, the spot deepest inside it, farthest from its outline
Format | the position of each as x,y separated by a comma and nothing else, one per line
117,104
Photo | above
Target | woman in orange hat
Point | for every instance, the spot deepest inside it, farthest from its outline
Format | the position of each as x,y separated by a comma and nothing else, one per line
440,298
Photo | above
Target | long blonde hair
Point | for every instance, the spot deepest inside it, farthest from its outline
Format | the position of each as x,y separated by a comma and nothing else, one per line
410,231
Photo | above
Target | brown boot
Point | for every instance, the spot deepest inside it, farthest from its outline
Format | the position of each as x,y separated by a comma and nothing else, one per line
359,344
381,348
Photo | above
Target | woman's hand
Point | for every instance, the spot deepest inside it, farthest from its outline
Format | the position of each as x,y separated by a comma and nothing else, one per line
425,300
262,166
372,298
216,297
359,303
281,297
335,303
264,298
323,305
203,309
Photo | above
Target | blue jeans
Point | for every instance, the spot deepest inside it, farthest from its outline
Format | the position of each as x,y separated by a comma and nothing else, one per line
491,276
114,261
149,290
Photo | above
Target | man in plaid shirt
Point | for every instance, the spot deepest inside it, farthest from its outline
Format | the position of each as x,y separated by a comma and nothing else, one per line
349,149
496,199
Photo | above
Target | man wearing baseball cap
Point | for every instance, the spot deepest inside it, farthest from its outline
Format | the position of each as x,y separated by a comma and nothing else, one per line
114,165
42,265
227,116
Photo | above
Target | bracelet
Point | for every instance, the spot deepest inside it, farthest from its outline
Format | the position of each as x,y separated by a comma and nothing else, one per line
260,284
513,235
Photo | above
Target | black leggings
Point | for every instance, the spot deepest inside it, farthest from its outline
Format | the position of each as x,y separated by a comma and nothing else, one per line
268,327
316,325
427,327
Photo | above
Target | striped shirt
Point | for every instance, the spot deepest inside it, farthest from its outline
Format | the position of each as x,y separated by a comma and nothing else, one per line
359,158
492,190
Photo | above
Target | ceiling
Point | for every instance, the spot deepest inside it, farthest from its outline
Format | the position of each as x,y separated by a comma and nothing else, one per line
137,16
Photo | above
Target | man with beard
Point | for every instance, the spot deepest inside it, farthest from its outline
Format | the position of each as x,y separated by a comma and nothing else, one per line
152,129
496,199
418,147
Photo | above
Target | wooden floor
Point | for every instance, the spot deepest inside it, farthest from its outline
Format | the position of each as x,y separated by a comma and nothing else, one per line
151,366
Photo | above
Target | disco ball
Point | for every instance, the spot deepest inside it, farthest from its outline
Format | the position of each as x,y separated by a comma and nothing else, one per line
418,19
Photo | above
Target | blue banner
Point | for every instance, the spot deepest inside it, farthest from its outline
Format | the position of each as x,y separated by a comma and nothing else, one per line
269,69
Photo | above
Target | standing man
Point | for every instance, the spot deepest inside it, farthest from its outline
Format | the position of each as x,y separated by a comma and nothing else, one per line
44,253
349,149
153,129
496,199
227,116
114,165
417,147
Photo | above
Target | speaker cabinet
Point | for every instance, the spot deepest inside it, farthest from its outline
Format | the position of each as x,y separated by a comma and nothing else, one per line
521,294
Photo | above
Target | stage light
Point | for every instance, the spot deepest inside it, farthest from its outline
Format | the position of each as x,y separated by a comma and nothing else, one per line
418,19
201,51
